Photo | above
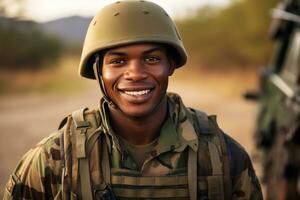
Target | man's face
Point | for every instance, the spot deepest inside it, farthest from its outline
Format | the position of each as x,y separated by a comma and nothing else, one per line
136,77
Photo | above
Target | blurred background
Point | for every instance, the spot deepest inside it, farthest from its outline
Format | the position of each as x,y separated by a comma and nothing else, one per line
40,46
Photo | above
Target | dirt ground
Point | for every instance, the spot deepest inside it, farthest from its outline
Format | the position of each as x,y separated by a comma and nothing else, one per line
26,119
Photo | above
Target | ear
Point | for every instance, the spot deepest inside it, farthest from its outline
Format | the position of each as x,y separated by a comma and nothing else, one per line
172,66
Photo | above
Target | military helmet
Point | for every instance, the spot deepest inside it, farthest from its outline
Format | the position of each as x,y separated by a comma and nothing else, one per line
129,22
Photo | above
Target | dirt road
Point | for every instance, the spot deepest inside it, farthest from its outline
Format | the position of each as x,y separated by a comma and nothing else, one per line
26,119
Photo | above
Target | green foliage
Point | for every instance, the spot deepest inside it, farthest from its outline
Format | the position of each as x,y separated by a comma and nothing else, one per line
236,35
24,46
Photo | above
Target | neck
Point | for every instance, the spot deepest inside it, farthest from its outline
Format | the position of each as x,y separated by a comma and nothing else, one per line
138,130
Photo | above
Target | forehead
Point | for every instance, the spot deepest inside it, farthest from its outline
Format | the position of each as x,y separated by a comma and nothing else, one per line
137,48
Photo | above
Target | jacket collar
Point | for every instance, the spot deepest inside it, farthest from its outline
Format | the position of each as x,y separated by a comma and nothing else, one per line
176,133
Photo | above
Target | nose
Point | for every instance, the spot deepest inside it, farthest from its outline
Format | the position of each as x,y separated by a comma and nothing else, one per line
135,71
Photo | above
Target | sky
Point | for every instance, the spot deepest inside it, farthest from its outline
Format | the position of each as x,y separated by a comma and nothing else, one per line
45,10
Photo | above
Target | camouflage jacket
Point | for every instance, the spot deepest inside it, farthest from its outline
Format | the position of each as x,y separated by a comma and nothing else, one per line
163,175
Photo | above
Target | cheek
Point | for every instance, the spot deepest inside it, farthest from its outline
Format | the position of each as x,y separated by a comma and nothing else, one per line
161,73
107,73
110,75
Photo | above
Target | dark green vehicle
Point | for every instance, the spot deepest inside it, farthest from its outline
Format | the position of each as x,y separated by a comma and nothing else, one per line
278,122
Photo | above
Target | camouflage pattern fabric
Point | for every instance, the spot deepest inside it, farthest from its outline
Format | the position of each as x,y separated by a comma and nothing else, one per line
38,174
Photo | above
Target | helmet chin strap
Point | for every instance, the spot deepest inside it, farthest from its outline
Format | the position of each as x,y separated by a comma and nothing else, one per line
96,68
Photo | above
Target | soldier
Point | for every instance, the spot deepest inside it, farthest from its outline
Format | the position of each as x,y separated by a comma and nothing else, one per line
141,143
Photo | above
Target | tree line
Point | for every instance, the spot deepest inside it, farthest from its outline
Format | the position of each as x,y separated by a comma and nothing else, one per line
22,44
236,35
25,46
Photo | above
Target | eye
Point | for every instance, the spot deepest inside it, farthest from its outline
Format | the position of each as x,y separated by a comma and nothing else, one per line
152,59
118,61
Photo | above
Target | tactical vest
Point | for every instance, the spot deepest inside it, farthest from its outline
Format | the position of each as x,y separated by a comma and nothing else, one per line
82,131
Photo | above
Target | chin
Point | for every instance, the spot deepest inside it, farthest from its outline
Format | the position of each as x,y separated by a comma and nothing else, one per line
142,111
137,113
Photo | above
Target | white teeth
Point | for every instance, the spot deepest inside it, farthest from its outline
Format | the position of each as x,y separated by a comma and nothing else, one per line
137,93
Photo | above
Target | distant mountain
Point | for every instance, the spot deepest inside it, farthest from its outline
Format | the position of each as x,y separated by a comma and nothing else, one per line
69,29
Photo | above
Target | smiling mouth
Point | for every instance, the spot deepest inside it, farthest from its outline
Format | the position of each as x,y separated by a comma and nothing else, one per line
137,93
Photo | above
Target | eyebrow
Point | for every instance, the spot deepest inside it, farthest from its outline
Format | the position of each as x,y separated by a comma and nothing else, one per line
154,49
120,53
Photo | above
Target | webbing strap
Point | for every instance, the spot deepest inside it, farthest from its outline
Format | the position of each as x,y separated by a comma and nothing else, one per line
105,165
215,159
226,168
83,162
62,157
192,174
85,181
151,193
92,140
82,125
149,180
225,160
215,182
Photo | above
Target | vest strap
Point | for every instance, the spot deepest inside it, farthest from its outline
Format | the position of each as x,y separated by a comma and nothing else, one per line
227,183
215,159
226,166
192,174
83,162
82,125
215,182
62,157
85,183
105,164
